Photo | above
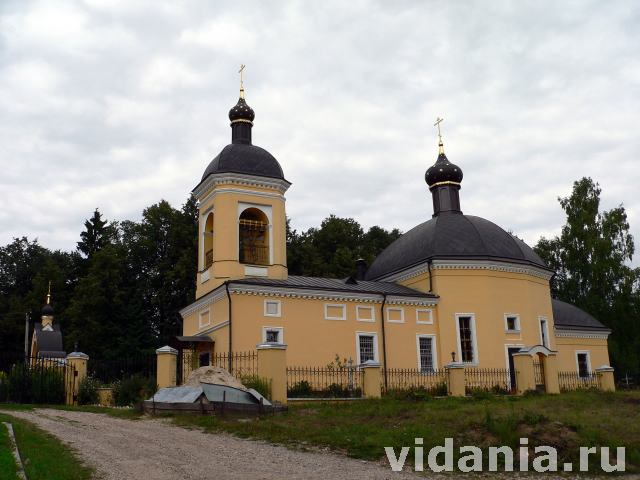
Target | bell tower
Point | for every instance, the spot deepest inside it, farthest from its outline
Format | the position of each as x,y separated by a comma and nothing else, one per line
242,219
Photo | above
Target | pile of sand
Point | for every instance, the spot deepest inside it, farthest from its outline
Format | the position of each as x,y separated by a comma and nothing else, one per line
214,375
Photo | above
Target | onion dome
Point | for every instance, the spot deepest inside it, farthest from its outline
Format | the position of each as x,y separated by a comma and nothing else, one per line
241,112
443,171
47,310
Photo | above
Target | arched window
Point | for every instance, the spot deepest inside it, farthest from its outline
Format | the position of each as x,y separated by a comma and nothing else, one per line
254,237
208,241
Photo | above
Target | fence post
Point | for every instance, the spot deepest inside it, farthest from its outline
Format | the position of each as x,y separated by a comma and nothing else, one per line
550,365
166,358
78,363
371,379
606,381
525,374
272,366
455,379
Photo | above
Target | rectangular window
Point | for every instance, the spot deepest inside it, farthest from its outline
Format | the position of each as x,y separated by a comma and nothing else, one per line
584,369
395,315
204,319
426,353
272,308
365,314
335,311
424,316
272,335
366,347
512,323
466,336
544,332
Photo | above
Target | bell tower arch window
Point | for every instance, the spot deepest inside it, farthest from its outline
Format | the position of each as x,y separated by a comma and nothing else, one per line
253,243
208,241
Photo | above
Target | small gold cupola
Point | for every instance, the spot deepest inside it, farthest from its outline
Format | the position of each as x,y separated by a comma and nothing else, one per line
48,312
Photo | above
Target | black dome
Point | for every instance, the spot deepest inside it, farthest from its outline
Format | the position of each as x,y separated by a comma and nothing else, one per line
443,171
47,310
454,236
241,111
245,158
569,316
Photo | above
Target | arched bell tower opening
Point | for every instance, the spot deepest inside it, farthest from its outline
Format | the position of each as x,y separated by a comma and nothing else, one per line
208,241
253,244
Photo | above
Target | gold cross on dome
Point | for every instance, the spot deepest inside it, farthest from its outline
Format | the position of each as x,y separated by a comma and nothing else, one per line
437,124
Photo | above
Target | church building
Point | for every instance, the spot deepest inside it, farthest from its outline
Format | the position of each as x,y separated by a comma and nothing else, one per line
456,287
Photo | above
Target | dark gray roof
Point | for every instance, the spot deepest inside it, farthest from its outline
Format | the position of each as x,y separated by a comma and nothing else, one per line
194,338
570,317
336,284
245,158
49,341
452,236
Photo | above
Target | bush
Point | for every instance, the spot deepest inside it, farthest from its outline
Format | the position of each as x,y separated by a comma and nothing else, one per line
33,384
88,391
300,389
259,384
131,391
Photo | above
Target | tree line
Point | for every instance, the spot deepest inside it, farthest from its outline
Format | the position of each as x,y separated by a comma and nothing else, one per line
119,293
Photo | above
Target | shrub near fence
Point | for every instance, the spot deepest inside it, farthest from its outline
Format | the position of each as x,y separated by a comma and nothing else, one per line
573,381
323,382
431,382
117,369
38,380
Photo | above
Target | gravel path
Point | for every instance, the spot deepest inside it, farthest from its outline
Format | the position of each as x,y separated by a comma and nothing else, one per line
124,449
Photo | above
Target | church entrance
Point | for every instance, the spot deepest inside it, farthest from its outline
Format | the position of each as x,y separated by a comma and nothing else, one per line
512,370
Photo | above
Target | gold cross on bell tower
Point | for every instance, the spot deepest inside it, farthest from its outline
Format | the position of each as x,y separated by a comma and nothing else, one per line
440,144
241,72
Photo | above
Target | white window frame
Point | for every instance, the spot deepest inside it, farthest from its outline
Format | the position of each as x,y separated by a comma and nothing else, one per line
376,357
506,323
422,310
201,315
372,317
278,308
395,309
203,220
546,331
280,333
474,338
434,349
327,306
588,354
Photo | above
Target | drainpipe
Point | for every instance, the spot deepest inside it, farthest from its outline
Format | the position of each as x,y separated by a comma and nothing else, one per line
226,286
384,341
430,280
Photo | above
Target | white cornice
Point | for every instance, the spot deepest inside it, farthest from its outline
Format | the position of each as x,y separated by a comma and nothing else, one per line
494,265
214,179
560,332
303,293
217,326
208,299
240,191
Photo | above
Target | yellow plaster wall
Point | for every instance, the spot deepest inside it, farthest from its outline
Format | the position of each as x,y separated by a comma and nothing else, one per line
568,346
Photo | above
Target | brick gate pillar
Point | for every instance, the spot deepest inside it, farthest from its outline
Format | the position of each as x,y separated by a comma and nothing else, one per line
167,361
455,379
371,379
525,374
77,361
272,366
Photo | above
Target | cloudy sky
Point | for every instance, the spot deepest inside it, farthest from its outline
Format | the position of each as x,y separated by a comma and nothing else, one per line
118,104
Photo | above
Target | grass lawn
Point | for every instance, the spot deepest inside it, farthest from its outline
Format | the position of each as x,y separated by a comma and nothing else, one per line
7,462
362,429
44,457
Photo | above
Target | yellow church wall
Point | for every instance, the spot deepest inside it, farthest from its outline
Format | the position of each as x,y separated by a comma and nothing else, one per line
568,347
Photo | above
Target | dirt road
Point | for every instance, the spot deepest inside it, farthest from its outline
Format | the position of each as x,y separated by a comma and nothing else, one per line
154,449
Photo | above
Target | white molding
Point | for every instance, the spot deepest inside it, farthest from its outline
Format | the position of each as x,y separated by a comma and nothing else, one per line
494,265
201,325
372,317
207,299
240,179
241,191
474,338
518,325
205,275
434,349
559,332
588,354
278,308
280,334
376,357
422,310
251,271
327,306
395,309
217,326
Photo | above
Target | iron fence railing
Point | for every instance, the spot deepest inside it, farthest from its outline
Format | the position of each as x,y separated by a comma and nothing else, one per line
407,379
538,373
573,381
497,380
35,379
243,364
323,382
112,370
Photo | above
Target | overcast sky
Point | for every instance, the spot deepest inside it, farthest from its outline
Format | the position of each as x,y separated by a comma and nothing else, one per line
118,104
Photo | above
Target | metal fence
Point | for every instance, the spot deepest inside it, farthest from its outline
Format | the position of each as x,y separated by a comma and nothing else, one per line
323,382
496,380
573,381
538,373
408,379
243,364
112,370
35,380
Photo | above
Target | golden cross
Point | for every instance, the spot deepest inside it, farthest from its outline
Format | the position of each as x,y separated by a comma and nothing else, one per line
242,67
49,294
437,124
